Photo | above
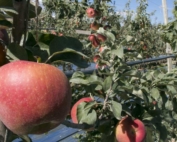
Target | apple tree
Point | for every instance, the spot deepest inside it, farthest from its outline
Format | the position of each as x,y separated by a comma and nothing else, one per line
116,101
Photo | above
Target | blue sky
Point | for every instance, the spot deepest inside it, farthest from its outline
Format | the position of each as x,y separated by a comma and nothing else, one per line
153,5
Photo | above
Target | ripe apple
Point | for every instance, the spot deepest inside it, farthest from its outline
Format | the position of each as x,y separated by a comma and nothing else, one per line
91,12
93,39
101,37
33,96
129,130
96,58
94,26
2,54
74,108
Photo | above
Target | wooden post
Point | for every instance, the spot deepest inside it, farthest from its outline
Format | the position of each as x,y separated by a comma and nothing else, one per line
168,48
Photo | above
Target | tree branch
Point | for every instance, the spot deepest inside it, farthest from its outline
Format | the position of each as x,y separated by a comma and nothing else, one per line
18,20
26,21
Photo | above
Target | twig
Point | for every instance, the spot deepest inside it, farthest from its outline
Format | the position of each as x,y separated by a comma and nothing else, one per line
37,19
6,135
26,21
105,101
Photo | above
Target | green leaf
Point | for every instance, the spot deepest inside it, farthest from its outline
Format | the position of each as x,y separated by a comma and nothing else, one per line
25,138
8,9
110,36
117,109
169,105
133,73
86,114
33,46
17,52
155,93
32,12
78,74
149,134
79,81
129,38
138,93
68,49
118,51
171,89
63,42
89,118
79,78
98,87
45,38
9,3
107,83
109,137
5,24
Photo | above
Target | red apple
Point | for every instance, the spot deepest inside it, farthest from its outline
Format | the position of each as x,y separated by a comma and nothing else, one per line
95,42
91,12
154,102
74,108
33,96
101,37
94,26
129,130
96,58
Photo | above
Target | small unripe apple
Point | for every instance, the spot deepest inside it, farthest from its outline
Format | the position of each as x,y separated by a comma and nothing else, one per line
35,97
101,37
96,58
94,26
129,130
95,42
91,12
74,108
154,102
144,47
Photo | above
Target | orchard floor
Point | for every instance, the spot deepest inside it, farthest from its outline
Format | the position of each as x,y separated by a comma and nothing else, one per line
59,134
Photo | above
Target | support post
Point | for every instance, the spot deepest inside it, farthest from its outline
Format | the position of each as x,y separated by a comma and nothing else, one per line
168,48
